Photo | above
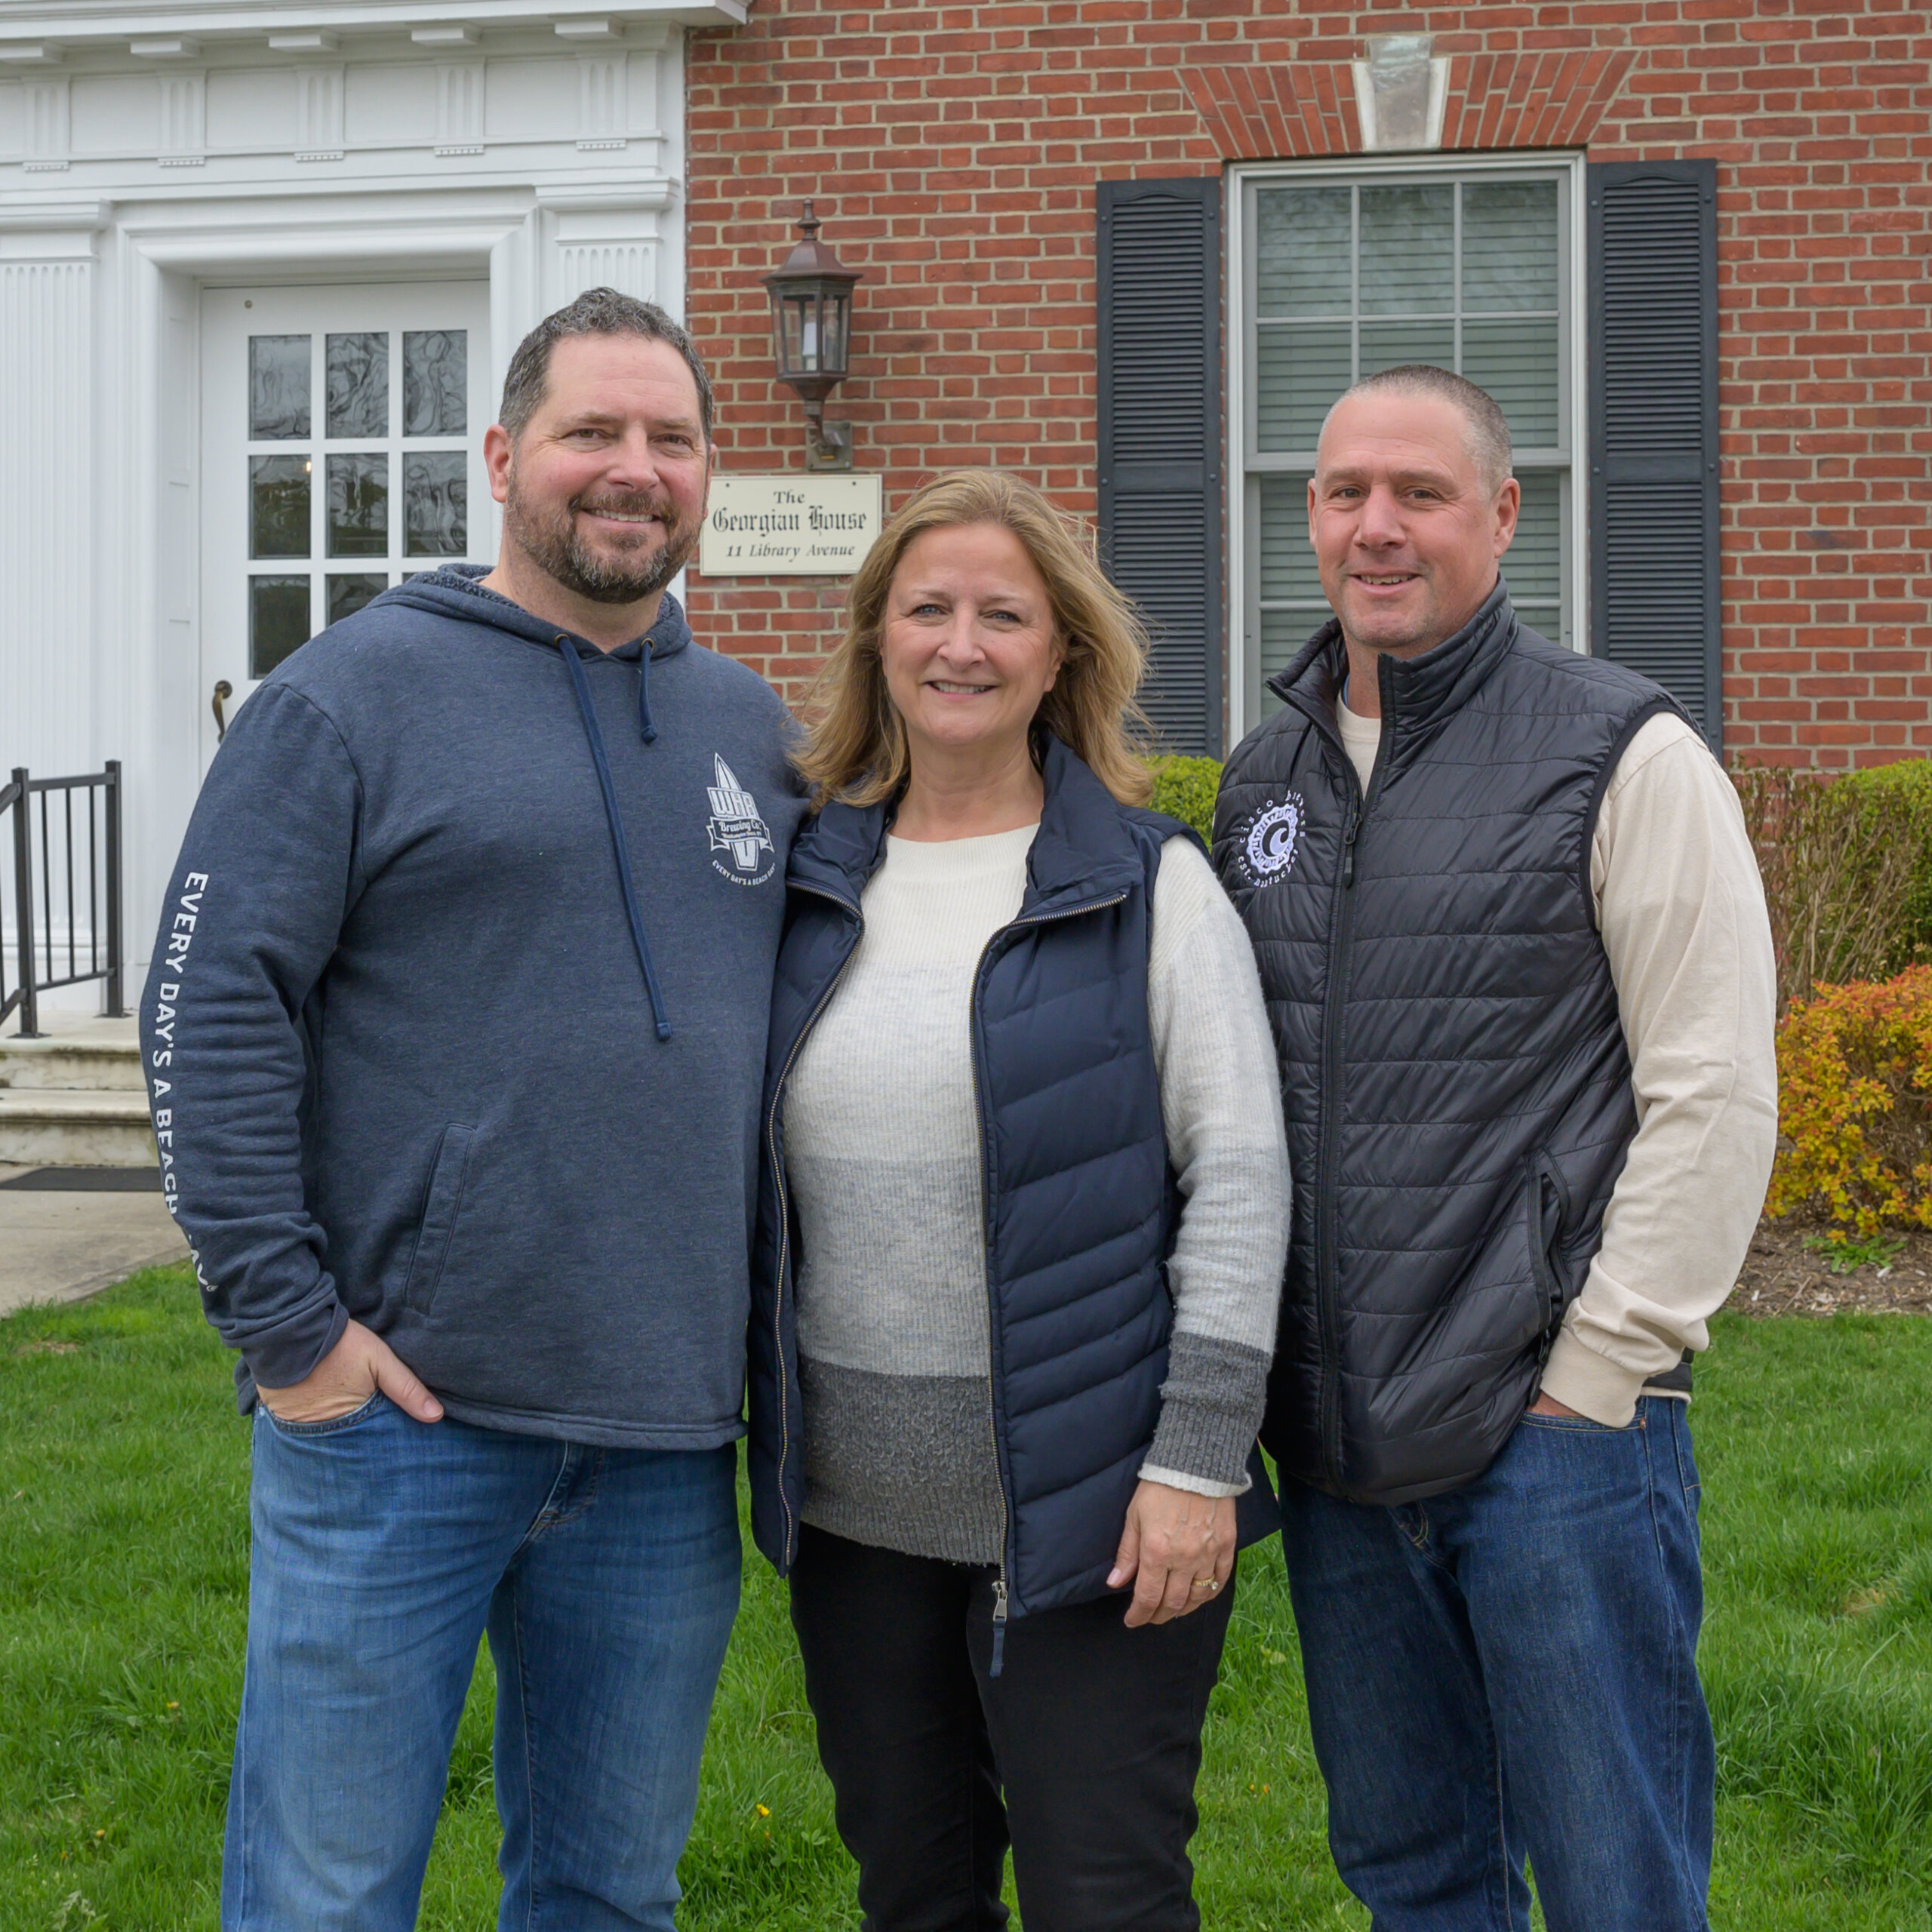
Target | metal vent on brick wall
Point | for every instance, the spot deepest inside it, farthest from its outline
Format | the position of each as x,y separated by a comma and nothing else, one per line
1159,396
1654,427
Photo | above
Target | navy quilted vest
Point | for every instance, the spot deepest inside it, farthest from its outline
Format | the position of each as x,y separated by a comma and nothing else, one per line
1080,1199
1454,1073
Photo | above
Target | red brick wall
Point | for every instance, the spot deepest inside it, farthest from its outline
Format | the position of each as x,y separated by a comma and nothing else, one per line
952,151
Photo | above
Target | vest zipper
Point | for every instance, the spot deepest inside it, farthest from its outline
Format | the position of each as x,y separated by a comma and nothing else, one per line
784,1205
1327,1283
992,1301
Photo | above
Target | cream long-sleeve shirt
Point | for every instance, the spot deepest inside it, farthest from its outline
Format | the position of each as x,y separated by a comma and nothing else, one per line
1680,910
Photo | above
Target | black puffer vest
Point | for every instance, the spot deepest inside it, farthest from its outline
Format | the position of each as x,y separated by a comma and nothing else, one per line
1455,1077
1080,1204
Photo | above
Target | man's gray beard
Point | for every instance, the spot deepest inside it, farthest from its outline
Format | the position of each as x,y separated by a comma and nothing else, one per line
553,545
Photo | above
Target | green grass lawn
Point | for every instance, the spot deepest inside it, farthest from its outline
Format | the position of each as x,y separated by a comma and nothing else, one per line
123,1569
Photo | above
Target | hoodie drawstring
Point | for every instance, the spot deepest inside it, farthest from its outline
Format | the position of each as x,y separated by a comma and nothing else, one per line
581,684
646,729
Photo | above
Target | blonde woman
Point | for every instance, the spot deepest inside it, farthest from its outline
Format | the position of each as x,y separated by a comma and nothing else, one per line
1021,1230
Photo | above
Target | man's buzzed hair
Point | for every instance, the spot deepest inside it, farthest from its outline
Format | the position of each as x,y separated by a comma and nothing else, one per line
596,312
1489,448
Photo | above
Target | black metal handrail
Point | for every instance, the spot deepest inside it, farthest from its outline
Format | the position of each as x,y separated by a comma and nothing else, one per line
40,951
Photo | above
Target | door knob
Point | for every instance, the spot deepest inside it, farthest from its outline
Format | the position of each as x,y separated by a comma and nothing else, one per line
222,689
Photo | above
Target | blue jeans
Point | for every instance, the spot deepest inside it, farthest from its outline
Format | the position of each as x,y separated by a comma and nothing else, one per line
607,1579
1510,1670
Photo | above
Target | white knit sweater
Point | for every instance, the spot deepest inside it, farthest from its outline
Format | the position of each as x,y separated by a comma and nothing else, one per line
882,1159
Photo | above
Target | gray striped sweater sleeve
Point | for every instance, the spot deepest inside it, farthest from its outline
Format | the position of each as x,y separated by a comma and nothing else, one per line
1221,1102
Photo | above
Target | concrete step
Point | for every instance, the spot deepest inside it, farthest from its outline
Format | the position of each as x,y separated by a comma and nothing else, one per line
106,1058
54,1127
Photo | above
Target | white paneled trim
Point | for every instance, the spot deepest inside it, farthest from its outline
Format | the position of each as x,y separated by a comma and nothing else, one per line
1241,645
48,532
53,230
459,108
75,24
318,113
49,123
601,112
184,107
243,119
611,237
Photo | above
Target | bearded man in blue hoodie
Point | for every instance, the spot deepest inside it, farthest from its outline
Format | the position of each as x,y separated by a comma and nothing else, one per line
455,1039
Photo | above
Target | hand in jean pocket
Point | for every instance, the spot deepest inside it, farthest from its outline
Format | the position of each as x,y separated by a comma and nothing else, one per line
344,1380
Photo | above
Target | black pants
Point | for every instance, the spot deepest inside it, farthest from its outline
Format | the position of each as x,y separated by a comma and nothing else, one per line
1091,1734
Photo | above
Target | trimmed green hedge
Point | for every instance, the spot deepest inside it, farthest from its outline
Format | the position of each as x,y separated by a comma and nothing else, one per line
1897,798
1184,788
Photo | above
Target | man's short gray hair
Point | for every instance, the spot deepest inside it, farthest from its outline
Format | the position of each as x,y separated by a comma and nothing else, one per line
596,312
1489,443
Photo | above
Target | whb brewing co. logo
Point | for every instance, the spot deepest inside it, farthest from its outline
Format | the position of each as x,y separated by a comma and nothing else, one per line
737,830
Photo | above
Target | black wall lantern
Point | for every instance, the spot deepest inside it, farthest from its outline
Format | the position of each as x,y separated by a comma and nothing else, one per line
811,337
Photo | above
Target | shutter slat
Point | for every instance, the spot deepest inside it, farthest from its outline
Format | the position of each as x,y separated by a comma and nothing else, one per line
1159,394
1654,591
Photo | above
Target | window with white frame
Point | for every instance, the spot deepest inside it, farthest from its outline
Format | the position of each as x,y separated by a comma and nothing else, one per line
1470,268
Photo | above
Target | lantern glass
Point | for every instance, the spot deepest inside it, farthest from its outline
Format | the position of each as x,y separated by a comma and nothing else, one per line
832,315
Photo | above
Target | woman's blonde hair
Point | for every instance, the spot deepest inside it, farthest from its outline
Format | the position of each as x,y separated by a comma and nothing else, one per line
855,748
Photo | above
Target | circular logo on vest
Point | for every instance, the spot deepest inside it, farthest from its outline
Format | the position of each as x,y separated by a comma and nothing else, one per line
1268,847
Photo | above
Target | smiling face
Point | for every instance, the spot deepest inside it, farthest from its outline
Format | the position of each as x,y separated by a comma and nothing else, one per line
1406,535
604,491
968,644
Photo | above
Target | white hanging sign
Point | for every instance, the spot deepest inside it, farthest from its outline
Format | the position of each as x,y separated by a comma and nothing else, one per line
794,525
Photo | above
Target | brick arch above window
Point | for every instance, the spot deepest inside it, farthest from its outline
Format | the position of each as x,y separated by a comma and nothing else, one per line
1300,110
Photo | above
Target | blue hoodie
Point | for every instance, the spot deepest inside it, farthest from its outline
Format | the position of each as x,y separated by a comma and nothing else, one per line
457,1018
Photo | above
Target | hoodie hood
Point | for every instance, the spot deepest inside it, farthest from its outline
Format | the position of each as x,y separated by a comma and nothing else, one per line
457,590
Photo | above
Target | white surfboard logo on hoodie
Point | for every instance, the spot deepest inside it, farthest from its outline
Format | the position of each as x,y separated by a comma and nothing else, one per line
737,827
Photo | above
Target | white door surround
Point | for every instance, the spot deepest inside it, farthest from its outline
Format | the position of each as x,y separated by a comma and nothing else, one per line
105,255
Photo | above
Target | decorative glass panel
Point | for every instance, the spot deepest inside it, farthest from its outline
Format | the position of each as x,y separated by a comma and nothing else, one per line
436,382
1408,250
348,594
435,494
1533,565
278,621
279,505
1302,268
358,384
1510,250
1299,370
277,386
358,505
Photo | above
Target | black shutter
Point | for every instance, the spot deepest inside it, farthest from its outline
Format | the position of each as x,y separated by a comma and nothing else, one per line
1654,427
1160,439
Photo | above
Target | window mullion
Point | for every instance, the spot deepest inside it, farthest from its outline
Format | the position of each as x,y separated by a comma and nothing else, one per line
1354,283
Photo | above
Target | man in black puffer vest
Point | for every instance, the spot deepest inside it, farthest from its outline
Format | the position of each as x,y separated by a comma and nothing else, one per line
1515,952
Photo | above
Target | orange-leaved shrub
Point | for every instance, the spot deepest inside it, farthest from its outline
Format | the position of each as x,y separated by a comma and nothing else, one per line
1855,1104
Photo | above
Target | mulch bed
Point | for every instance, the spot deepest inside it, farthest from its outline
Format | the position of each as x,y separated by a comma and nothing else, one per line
1781,1275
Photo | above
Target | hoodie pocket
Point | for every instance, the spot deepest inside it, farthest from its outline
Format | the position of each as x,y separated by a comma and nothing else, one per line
1548,1209
440,1206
